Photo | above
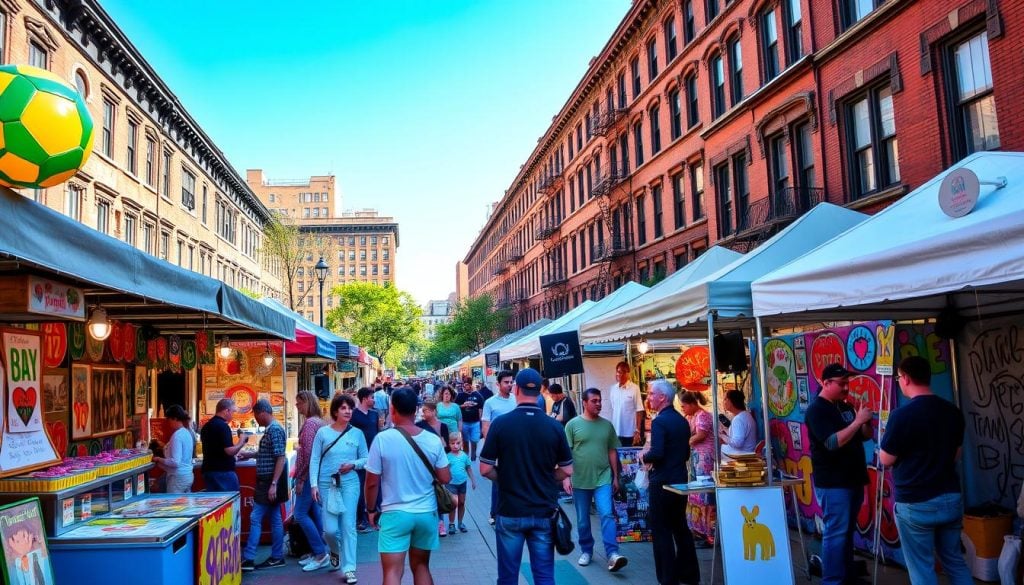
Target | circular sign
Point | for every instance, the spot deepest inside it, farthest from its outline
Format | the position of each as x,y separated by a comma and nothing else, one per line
243,396
76,340
116,341
693,368
958,193
779,375
55,344
864,391
860,348
826,349
188,354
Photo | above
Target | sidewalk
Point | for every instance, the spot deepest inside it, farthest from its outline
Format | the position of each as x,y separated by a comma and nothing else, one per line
469,559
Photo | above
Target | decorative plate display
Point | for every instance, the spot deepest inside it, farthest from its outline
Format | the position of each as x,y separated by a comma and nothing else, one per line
779,370
243,396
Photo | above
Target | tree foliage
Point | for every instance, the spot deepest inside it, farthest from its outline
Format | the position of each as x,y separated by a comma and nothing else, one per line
475,323
289,250
382,319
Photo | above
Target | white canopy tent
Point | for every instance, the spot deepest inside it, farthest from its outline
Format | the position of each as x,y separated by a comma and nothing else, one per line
911,260
529,345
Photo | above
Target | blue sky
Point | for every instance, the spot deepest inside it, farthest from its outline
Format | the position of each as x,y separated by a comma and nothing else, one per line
423,110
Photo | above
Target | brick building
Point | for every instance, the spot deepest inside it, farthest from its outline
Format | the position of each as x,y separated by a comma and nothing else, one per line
155,179
707,122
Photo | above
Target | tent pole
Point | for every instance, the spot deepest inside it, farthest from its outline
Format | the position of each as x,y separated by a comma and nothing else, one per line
714,388
759,352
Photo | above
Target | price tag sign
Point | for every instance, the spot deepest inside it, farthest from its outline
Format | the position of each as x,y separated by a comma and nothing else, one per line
127,489
67,512
140,484
86,506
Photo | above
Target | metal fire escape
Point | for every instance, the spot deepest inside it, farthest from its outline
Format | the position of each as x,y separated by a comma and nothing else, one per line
618,244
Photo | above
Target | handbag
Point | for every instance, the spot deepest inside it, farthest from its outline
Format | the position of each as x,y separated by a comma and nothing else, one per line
441,493
561,532
333,502
641,480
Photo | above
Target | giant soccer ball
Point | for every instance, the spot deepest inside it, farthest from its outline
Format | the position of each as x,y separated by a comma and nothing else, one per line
46,131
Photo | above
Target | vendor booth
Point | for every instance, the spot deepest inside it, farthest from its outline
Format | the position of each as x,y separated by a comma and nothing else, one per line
952,253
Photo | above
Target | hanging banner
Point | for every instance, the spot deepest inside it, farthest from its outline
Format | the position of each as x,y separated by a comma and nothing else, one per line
129,337
23,358
174,350
76,340
204,347
53,299
55,344
141,347
189,356
94,348
116,341
81,401
561,354
493,360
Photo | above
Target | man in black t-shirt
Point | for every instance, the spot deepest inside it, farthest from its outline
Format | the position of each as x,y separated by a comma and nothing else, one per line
219,450
369,421
528,455
472,403
840,471
922,444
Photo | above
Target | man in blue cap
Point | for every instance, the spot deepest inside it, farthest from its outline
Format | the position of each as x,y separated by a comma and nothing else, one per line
528,456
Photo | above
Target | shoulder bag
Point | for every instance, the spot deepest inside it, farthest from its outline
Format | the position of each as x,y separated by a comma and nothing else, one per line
561,532
333,502
444,497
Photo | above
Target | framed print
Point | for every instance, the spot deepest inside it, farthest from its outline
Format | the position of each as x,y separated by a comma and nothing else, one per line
755,536
26,558
81,401
109,414
141,389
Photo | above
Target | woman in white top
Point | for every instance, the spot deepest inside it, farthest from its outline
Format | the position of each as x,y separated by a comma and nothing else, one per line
178,451
741,436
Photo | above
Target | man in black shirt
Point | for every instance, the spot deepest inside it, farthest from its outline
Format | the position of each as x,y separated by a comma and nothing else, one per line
840,469
219,450
675,558
472,403
528,456
922,444
368,420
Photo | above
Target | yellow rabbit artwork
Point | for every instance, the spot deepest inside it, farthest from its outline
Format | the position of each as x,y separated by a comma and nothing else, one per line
756,534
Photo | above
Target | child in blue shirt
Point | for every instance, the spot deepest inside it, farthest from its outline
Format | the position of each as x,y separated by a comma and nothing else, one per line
462,471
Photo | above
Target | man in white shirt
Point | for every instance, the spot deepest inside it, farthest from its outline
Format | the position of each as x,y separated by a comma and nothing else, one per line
501,403
625,408
408,514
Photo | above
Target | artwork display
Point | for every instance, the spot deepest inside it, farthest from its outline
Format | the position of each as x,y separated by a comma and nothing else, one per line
172,505
132,529
22,352
141,389
243,378
81,401
220,535
55,393
26,558
108,400
754,535
631,514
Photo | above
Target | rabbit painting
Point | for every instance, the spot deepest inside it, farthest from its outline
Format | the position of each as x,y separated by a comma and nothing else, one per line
756,534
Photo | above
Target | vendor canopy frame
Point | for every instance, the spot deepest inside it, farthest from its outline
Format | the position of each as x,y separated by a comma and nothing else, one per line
911,261
131,285
529,345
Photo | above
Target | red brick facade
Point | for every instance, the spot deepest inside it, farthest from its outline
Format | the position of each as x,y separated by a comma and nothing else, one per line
856,102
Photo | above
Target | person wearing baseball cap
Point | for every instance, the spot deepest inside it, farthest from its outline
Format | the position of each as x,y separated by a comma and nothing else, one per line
836,432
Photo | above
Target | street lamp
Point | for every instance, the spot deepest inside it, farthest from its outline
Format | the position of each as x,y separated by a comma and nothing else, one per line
321,269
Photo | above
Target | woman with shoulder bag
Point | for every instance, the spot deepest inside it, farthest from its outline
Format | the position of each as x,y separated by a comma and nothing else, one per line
307,512
339,449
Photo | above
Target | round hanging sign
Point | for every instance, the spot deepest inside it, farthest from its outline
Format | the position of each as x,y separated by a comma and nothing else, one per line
116,341
128,342
94,348
55,344
188,355
76,340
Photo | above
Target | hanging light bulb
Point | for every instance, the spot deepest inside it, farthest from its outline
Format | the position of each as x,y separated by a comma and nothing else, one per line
643,346
99,327
225,348
268,357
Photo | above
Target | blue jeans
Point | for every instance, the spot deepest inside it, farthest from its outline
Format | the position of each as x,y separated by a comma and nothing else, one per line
602,498
221,481
307,514
839,507
535,533
929,528
273,511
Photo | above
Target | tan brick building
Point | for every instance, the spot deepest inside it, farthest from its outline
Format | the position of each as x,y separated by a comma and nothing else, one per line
313,198
155,179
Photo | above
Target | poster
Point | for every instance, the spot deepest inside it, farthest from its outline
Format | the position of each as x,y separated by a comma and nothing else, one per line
81,402
243,378
23,361
141,389
754,536
108,400
26,558
220,552
631,514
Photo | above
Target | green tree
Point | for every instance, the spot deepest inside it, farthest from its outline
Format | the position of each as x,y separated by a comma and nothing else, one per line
475,323
382,319
288,251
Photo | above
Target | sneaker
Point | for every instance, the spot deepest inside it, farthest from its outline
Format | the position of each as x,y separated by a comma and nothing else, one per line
350,577
616,562
335,562
440,529
248,565
584,560
451,528
462,528
491,521
305,559
315,564
271,563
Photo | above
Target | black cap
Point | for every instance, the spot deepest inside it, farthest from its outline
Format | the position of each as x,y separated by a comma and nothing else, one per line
835,371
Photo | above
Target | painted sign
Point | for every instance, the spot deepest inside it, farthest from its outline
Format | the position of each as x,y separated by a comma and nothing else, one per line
826,349
55,344
108,400
51,298
23,359
631,514
141,389
81,402
220,553
26,558
958,192
780,375
693,368
755,538
561,354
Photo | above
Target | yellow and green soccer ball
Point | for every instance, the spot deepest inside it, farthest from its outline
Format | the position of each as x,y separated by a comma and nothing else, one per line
46,131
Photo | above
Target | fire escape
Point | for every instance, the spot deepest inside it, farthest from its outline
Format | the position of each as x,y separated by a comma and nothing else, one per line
766,217
618,244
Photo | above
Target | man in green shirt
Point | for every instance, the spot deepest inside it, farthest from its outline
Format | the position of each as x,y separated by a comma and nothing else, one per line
594,447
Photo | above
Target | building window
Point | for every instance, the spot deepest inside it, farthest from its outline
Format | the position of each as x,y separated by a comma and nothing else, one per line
37,55
735,70
697,190
150,162
167,175
778,166
675,106
741,189
852,11
108,128
804,158
769,45
3,34
659,228
133,137
621,86
624,152
652,58
711,9
205,202
723,199
129,229
638,143
692,104
871,138
717,85
641,221
188,190
678,213
689,22
73,205
147,237
680,259
794,30
165,244
579,137
655,113
634,70
671,42
975,127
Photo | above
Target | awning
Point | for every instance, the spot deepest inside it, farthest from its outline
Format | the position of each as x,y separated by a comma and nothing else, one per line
311,340
529,345
130,284
347,350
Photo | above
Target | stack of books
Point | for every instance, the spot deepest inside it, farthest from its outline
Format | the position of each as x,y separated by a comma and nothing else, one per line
742,470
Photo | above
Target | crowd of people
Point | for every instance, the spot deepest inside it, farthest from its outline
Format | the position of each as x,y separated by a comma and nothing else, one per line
375,461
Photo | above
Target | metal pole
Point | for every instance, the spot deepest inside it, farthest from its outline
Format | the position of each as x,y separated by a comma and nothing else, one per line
321,302
759,352
713,366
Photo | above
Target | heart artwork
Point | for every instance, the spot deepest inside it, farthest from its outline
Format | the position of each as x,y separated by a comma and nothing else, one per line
81,415
860,348
24,400
59,435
